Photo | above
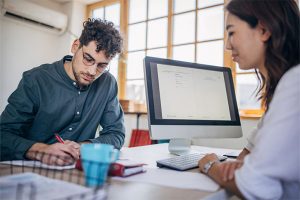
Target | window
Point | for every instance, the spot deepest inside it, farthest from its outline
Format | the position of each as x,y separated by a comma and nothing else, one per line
177,29
246,89
147,35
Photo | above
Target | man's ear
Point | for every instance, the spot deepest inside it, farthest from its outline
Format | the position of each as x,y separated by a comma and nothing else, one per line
75,46
265,34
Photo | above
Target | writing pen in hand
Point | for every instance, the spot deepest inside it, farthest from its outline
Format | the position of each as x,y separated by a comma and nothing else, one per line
58,138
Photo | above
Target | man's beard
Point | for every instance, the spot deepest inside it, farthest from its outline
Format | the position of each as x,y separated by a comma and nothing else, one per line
77,77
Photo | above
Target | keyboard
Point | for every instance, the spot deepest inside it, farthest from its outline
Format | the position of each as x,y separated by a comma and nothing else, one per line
184,162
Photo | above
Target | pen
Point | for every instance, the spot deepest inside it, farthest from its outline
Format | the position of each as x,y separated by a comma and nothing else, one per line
230,156
78,162
58,138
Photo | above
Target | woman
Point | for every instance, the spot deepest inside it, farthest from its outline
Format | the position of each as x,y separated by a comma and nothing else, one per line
264,35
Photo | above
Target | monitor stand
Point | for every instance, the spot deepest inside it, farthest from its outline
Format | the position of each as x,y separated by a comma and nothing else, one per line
180,146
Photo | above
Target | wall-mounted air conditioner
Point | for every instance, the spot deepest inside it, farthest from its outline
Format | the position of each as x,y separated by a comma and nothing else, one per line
29,12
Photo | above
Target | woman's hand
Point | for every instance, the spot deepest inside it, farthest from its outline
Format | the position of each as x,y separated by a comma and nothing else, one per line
207,158
225,169
228,168
243,154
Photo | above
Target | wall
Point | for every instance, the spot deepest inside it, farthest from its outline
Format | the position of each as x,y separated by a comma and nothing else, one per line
24,46
234,143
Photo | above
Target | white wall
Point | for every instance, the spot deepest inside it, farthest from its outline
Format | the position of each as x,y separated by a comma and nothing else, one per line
77,14
234,143
24,46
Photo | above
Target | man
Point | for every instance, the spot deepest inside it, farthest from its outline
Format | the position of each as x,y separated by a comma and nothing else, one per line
71,97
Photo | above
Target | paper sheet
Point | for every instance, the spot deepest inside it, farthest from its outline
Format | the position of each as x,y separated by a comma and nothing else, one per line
172,178
33,186
37,164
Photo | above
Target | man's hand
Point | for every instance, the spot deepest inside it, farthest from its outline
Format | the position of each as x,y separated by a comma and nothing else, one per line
228,168
55,154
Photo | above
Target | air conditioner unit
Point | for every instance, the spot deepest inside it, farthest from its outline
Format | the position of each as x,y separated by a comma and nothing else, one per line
28,12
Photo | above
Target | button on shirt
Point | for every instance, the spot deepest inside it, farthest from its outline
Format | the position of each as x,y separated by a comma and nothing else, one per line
47,101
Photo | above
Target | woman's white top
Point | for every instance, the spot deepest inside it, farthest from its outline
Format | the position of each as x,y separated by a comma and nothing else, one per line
251,138
272,169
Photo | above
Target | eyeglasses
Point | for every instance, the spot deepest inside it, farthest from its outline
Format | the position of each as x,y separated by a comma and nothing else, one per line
89,61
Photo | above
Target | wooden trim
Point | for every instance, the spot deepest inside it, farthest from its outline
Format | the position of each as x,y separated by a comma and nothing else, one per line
101,4
88,13
196,32
244,73
135,113
147,20
123,57
146,31
170,29
250,117
251,114
215,5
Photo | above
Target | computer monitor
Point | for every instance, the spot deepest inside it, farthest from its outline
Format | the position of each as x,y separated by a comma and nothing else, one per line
189,100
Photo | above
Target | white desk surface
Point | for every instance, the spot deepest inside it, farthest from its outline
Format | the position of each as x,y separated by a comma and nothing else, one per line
124,190
148,155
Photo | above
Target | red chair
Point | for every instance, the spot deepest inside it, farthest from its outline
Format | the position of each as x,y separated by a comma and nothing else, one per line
139,138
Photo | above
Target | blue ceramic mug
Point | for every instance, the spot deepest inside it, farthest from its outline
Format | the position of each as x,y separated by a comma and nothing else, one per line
95,160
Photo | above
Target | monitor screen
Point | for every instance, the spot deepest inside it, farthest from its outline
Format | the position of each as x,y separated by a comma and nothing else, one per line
189,100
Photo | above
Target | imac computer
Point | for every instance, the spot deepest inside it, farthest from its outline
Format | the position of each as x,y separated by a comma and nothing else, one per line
189,100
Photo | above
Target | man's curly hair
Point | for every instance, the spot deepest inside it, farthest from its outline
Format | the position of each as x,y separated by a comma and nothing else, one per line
106,36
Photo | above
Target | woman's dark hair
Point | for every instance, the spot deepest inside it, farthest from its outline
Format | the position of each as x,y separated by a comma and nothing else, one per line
106,36
281,18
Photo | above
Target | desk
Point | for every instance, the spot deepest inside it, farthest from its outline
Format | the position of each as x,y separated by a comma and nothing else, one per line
149,154
142,191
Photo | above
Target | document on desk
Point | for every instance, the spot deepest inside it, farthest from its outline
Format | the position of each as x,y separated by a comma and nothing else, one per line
37,164
177,179
29,186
